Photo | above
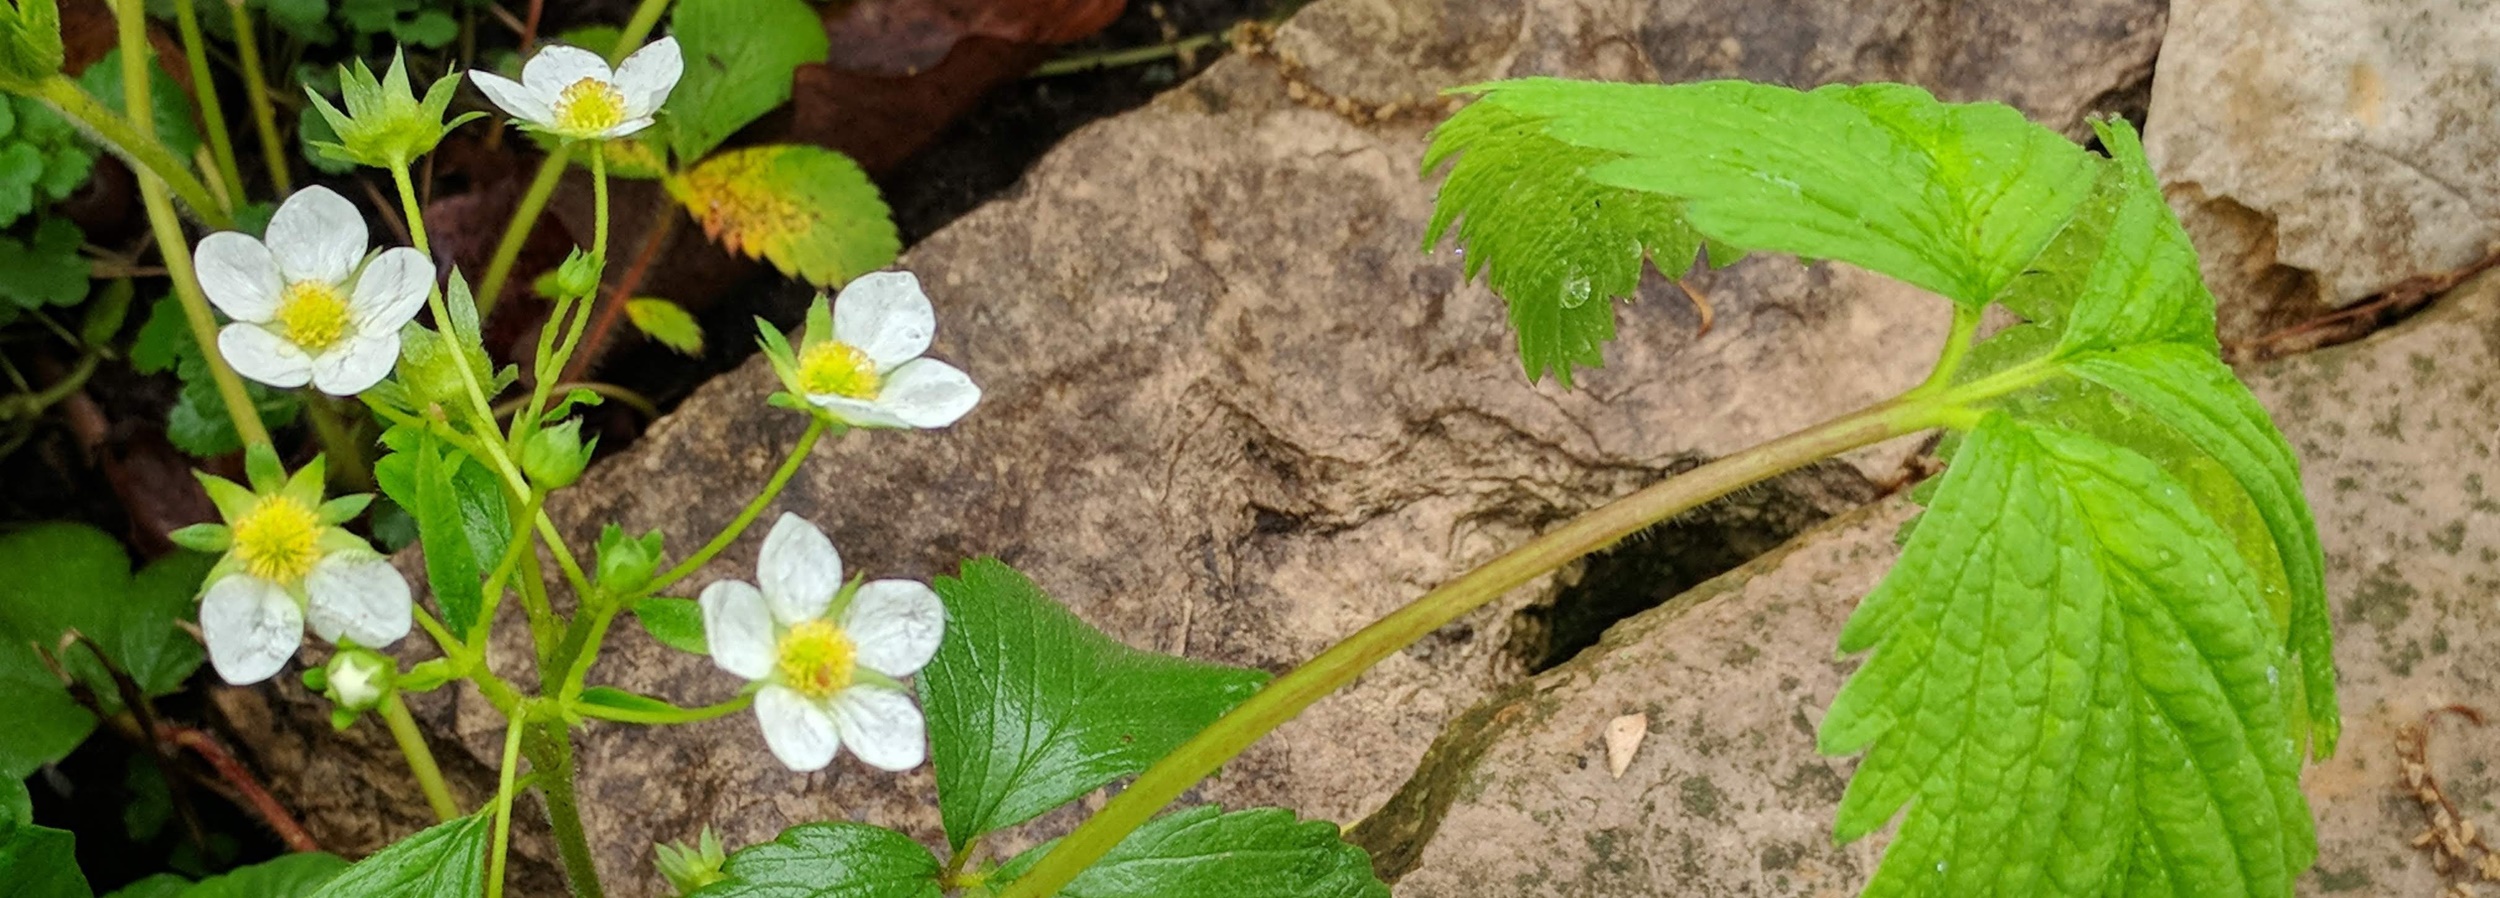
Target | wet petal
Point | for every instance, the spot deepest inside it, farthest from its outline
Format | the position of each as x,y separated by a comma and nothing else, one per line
263,356
896,625
856,412
884,314
646,77
800,733
558,67
364,599
514,98
239,275
881,726
391,289
317,235
739,628
356,365
626,128
251,627
927,393
799,569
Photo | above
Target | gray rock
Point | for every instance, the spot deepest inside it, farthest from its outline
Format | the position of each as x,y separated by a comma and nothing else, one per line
1727,796
2388,104
1233,412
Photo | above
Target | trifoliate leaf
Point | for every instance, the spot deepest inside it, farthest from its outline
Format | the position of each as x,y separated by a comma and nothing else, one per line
808,210
666,322
2075,688
1029,708
739,58
1202,852
446,859
830,860
1560,247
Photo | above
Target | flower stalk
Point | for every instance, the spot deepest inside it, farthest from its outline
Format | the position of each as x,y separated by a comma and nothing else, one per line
429,775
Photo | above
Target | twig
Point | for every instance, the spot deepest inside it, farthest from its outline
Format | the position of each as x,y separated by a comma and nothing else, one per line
2360,320
2450,839
233,772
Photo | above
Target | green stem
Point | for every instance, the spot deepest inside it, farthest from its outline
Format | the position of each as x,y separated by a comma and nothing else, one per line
32,404
414,212
337,434
420,756
514,549
661,718
1957,346
256,89
1287,695
550,365
550,750
816,427
171,243
646,16
134,139
1069,65
212,109
516,230
512,730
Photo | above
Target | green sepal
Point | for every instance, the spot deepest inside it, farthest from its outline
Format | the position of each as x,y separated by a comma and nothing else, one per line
344,508
262,469
210,538
232,499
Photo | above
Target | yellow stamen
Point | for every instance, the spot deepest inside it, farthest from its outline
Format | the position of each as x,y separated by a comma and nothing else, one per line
278,540
816,659
313,315
833,368
589,107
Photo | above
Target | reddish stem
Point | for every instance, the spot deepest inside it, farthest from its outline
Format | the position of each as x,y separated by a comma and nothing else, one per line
241,778
610,309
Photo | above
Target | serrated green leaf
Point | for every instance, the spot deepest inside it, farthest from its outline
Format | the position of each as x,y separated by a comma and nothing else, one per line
66,577
612,697
830,860
739,58
285,876
666,322
198,424
45,269
16,804
452,566
676,623
103,80
1202,852
446,859
1508,191
40,862
808,210
1029,708
21,167
2075,685
161,337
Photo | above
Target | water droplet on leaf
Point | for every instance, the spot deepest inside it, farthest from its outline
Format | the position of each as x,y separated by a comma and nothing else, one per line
1575,292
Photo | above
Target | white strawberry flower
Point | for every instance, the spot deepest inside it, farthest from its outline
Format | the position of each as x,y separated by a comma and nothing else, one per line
861,362
286,564
829,656
571,93
307,307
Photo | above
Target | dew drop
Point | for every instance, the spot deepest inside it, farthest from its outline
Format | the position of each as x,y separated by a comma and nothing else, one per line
2274,675
1575,292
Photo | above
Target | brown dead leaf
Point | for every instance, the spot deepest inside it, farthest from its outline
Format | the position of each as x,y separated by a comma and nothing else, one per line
906,37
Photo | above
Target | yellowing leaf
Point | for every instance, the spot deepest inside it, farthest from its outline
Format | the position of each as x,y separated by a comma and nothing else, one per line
808,210
666,322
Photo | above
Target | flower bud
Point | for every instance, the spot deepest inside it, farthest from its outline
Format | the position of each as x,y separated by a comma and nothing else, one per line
579,275
689,867
555,456
356,679
385,124
626,563
30,44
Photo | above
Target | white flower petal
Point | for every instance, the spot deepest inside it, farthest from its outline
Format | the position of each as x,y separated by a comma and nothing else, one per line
646,77
800,733
360,598
514,98
881,726
391,289
626,128
239,275
251,626
884,314
356,364
799,569
317,235
558,66
854,412
739,629
263,356
896,625
927,393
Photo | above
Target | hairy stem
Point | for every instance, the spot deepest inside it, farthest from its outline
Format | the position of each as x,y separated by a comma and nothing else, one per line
816,428
256,90
415,212
420,756
1287,695
204,91
176,248
134,139
502,839
654,718
516,230
550,750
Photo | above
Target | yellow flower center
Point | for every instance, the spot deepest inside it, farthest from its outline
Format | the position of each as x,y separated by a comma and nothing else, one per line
589,107
312,315
278,540
816,659
834,368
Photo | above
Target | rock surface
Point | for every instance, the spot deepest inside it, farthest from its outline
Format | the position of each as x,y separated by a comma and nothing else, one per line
1727,796
1232,411
2397,171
